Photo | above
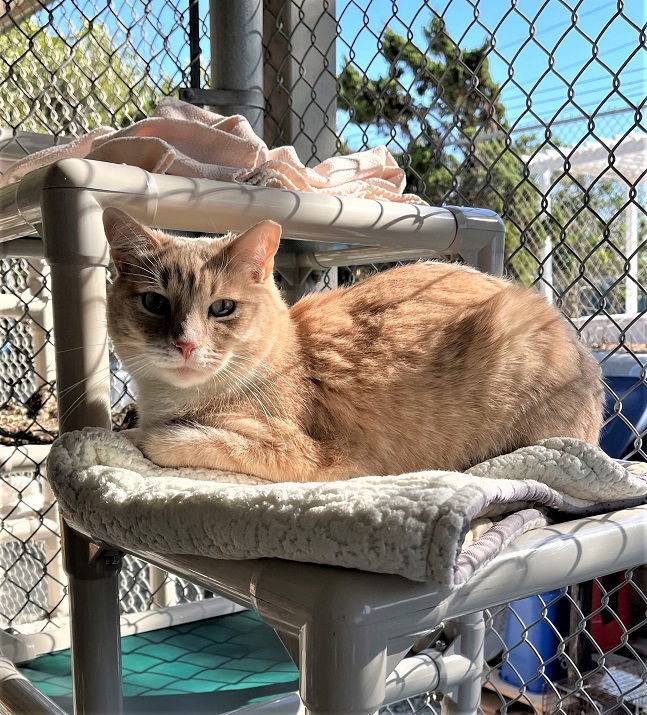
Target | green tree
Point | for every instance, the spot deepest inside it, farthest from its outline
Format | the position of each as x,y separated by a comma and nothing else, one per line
436,102
70,85
444,109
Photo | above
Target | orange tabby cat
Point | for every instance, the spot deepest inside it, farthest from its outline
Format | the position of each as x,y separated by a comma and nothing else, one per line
428,366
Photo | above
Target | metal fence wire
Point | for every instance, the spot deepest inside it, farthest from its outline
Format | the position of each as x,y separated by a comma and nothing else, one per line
533,108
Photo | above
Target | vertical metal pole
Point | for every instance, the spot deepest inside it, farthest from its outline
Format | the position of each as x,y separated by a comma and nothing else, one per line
41,328
341,669
301,77
195,55
162,588
300,80
237,55
76,250
56,604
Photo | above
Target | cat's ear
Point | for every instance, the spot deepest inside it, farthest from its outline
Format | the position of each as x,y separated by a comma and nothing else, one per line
256,248
127,238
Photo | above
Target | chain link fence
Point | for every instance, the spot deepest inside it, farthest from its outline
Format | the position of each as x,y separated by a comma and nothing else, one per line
534,109
569,651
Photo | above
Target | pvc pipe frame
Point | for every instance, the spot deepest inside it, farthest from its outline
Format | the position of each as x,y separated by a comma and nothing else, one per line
19,696
347,630
200,205
63,203
23,647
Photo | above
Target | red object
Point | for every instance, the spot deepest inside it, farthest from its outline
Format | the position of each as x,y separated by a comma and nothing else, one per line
606,628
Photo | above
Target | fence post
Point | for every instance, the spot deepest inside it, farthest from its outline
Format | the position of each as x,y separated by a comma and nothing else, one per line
300,81
77,254
468,633
41,325
300,77
237,58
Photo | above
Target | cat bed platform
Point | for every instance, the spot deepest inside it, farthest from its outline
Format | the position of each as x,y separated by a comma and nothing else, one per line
347,629
432,526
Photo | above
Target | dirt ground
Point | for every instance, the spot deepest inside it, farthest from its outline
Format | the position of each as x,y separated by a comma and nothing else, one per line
36,422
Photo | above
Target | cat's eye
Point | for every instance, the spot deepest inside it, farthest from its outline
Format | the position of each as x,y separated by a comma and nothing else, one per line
156,303
222,308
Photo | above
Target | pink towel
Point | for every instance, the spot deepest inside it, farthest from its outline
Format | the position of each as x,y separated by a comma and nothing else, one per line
184,140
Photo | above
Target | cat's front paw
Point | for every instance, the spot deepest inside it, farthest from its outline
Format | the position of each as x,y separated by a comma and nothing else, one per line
165,447
155,446
135,435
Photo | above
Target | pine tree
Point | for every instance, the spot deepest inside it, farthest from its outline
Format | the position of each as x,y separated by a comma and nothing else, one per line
443,109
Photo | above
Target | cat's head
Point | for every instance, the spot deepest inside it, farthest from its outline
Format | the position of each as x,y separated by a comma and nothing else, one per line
184,310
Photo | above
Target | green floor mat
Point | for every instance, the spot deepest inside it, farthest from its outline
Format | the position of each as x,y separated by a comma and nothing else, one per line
208,666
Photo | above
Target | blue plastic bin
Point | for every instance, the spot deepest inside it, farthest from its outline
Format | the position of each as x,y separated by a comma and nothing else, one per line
622,373
544,640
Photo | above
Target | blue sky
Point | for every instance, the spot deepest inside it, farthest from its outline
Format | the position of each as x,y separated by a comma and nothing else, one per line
615,43
469,26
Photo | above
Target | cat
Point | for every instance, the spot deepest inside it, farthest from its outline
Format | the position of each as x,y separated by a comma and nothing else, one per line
426,366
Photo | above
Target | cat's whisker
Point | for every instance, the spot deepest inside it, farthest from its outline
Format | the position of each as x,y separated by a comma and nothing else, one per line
143,272
145,269
286,415
81,347
277,374
155,261
78,400
268,385
260,393
255,395
65,391
250,377
243,392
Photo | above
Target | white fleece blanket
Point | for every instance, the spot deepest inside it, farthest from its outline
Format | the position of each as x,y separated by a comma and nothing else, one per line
432,526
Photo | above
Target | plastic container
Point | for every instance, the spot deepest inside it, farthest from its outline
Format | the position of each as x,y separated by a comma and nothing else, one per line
540,637
622,374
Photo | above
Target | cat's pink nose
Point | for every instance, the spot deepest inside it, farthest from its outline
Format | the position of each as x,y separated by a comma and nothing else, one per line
185,347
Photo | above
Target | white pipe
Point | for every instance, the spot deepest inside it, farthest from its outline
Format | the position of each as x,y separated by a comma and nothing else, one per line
156,619
19,696
162,587
539,560
57,603
412,676
17,306
355,257
21,248
546,255
203,205
631,251
42,325
27,646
